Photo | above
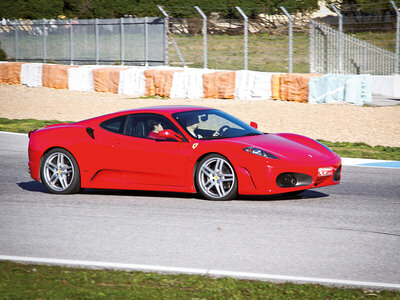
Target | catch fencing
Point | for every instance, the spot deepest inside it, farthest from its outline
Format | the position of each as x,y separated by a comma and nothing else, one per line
288,42
129,41
335,52
277,42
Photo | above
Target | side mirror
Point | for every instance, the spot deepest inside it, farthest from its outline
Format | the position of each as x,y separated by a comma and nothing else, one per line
170,134
254,125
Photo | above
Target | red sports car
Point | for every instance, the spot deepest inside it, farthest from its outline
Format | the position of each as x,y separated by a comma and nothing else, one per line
178,148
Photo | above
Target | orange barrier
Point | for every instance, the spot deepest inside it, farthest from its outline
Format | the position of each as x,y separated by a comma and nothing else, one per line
275,86
106,79
10,72
55,76
159,82
294,87
219,85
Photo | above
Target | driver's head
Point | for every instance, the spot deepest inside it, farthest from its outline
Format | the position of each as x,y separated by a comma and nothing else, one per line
192,120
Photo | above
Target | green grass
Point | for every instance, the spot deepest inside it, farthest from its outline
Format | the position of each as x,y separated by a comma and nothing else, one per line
362,150
25,125
266,52
344,149
26,281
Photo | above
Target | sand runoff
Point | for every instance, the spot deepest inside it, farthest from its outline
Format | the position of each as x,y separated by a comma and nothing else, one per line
332,122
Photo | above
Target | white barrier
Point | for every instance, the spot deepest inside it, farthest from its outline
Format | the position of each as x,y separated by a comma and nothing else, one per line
81,79
253,85
132,82
188,84
31,74
331,88
388,86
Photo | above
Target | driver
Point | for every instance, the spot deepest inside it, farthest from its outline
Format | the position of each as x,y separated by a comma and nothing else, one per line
155,127
192,123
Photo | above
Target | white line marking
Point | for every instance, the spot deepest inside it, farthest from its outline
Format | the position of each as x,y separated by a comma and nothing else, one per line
204,272
17,133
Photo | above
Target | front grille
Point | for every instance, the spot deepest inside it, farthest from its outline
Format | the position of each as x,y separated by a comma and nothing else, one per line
289,179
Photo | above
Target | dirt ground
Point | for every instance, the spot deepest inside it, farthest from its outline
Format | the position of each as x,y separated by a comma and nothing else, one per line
332,122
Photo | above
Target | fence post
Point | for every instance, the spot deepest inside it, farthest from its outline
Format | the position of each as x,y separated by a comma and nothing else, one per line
167,33
396,64
204,35
340,16
246,20
16,41
96,31
311,47
121,23
71,43
146,43
290,38
44,40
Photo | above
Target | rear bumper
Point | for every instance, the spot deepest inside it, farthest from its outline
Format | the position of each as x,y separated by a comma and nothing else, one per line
34,164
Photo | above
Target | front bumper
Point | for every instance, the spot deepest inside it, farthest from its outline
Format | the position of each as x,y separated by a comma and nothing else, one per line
265,178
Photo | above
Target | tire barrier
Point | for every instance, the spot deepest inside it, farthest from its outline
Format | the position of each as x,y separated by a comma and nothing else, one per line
55,76
355,89
10,73
202,83
106,79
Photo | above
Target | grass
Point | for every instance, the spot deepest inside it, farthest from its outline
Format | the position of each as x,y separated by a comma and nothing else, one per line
344,149
266,52
25,125
362,150
27,281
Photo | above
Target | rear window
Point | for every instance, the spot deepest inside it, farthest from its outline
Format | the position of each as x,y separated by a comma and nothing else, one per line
114,125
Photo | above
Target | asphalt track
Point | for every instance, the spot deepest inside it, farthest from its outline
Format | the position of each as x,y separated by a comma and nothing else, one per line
347,234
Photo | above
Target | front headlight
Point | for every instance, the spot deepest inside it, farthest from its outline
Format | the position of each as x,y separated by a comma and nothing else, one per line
259,152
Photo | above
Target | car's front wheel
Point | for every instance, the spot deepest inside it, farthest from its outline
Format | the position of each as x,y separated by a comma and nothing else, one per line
216,178
60,172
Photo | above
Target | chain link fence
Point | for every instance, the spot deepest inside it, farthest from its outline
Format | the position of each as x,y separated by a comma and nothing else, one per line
130,41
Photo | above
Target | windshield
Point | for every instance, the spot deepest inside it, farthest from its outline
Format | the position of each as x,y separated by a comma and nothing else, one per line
213,124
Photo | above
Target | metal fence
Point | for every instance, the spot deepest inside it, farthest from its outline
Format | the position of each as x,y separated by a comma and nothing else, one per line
332,51
279,42
287,42
129,41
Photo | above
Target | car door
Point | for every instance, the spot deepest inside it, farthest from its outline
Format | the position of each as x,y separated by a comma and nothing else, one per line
147,161
101,162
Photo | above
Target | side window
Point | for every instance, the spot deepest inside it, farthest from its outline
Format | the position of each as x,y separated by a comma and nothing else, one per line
148,126
115,125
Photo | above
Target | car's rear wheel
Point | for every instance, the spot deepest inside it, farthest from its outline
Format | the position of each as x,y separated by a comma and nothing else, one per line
216,178
60,172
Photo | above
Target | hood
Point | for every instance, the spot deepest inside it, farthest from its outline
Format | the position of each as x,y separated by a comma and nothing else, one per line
302,148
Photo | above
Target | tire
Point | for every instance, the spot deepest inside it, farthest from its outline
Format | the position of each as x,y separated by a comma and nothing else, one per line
215,178
60,172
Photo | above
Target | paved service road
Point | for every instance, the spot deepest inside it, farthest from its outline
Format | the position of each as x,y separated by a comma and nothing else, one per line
346,232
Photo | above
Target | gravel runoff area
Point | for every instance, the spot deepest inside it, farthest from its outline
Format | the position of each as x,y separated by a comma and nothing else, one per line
332,122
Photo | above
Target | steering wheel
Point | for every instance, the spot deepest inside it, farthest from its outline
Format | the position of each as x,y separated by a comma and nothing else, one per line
222,130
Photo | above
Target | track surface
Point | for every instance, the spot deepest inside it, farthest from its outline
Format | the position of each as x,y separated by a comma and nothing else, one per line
346,232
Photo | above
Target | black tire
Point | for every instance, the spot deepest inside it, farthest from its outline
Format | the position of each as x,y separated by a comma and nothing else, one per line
60,173
216,178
